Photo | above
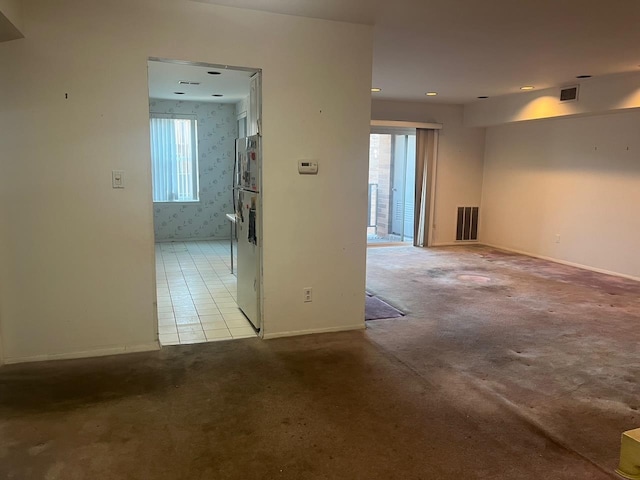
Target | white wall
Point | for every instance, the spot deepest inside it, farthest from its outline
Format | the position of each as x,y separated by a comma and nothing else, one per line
597,95
78,258
576,177
460,157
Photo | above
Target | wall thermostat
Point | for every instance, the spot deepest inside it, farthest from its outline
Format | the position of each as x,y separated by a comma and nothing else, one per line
307,167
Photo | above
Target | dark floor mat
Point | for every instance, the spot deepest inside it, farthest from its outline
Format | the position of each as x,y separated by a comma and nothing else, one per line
375,309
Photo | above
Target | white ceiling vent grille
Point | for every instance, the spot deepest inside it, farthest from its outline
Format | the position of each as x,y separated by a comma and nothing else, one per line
569,94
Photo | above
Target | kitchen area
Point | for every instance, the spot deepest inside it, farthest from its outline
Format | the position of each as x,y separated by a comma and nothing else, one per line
208,248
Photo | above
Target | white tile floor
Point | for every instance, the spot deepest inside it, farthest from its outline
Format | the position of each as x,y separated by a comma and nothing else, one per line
197,294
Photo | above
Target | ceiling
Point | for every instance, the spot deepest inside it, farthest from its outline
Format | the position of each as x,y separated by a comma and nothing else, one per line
463,49
164,78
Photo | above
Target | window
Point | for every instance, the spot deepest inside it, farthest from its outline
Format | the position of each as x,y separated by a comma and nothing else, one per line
174,158
392,183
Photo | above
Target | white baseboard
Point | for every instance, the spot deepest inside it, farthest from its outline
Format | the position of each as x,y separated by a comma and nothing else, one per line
358,326
564,262
203,239
98,352
389,244
455,244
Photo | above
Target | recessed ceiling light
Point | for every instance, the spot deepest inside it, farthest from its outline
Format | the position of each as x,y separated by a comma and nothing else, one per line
217,95
431,94
583,76
483,96
178,93
214,73
527,87
375,90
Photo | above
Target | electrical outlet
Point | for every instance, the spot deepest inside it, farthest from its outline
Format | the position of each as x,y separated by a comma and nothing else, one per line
557,238
308,294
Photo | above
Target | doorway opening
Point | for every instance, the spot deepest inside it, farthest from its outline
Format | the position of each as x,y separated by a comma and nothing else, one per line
197,112
402,174
392,177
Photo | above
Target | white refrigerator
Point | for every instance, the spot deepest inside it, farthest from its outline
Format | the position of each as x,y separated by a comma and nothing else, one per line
246,191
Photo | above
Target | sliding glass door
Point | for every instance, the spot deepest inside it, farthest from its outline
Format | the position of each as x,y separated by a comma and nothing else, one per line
392,169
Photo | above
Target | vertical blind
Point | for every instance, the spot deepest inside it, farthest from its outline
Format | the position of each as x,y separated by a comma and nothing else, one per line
174,158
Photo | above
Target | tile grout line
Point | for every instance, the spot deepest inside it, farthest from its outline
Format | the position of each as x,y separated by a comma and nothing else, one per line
188,259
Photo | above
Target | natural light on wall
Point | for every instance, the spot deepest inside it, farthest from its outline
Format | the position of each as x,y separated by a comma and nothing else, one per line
174,158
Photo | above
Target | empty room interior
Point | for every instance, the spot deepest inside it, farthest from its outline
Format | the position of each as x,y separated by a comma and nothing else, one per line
319,240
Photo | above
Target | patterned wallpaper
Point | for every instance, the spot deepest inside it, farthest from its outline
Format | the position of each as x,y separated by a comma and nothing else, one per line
217,131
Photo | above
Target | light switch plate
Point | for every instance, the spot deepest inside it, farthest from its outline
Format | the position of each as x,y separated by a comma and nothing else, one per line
117,178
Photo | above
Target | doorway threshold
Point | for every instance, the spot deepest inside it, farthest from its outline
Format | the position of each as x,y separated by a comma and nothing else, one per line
389,244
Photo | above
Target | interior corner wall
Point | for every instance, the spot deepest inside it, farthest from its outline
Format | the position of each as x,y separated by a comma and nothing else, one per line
578,178
460,159
205,219
12,9
80,254
242,108
11,24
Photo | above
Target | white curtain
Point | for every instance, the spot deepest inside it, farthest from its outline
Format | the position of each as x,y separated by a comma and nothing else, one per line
173,160
426,151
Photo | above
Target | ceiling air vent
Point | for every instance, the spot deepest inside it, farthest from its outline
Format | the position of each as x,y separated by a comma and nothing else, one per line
569,94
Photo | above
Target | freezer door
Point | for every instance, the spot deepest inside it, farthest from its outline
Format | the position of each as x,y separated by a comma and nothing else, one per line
249,256
248,158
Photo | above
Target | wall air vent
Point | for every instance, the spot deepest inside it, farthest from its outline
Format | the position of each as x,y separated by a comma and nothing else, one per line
467,224
187,82
569,94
